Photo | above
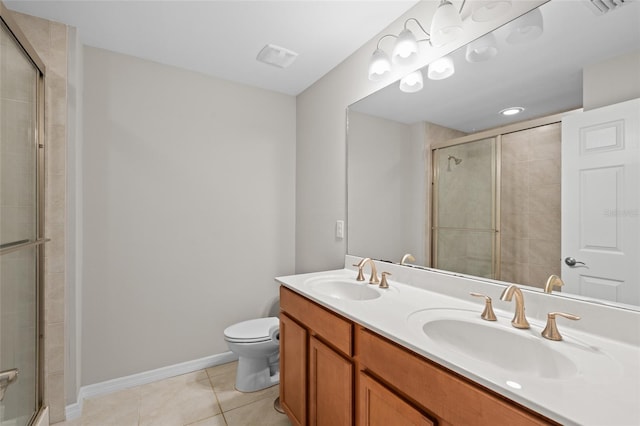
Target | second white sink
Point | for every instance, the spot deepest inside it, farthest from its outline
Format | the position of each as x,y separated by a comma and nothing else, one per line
510,350
462,334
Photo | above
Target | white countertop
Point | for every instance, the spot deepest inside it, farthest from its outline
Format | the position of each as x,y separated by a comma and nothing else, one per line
592,395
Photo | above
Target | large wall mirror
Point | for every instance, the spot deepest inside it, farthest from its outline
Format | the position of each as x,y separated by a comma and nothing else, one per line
442,175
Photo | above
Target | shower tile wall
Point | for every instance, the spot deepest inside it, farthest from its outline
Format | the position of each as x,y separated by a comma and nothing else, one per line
49,39
465,206
434,135
530,205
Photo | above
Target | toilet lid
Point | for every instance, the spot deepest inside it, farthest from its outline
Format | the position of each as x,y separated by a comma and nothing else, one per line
254,330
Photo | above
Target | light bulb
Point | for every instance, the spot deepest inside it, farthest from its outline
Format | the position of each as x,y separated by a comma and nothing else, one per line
412,83
379,65
441,69
405,50
484,11
482,49
526,28
446,25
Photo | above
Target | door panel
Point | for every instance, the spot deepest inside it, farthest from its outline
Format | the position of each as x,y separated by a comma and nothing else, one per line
600,219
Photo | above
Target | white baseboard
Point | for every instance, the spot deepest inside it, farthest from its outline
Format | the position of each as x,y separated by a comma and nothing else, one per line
73,411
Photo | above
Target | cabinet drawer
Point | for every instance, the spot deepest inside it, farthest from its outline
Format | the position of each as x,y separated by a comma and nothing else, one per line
448,396
334,329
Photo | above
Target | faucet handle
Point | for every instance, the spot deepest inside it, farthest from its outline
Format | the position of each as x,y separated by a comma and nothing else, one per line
360,274
487,314
551,329
383,280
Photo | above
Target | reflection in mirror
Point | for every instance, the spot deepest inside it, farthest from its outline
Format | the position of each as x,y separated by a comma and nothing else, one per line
442,175
464,237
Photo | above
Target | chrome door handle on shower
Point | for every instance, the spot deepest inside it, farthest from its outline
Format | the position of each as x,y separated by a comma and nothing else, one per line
6,378
570,261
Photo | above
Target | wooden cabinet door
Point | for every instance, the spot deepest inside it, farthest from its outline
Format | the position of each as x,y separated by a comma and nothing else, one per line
293,370
330,386
445,395
378,406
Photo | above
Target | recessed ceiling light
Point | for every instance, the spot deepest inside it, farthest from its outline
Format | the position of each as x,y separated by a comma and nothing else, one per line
512,111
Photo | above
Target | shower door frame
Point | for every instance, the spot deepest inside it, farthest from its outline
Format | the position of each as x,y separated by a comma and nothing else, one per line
495,194
23,42
497,133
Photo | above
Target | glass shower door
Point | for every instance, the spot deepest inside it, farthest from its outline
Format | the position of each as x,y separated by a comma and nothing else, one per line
19,233
464,208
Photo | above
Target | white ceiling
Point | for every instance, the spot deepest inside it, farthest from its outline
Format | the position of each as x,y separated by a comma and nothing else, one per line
223,38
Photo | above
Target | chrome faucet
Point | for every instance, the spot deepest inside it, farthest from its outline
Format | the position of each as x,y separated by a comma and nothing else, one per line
519,320
374,273
553,281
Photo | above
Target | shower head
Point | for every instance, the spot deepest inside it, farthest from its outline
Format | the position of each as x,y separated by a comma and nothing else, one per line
456,160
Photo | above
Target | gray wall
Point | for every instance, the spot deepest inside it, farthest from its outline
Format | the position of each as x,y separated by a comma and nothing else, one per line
612,81
188,208
387,192
195,192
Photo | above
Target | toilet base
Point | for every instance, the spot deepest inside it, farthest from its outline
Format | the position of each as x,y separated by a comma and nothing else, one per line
255,374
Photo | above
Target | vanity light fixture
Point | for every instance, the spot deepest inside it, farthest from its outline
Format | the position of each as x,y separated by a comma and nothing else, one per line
379,65
526,28
441,68
412,83
406,48
484,11
511,111
482,49
446,25
405,52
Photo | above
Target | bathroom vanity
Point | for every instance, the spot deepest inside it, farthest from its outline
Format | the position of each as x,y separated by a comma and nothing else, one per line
416,353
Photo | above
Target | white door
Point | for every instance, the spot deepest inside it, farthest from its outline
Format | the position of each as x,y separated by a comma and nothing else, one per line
600,192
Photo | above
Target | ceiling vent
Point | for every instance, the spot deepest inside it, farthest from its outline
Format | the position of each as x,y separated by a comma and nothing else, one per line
277,56
600,7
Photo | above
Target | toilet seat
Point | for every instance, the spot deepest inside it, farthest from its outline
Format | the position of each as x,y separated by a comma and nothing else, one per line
252,331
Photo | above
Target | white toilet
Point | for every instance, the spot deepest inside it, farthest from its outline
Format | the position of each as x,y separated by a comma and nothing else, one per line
257,344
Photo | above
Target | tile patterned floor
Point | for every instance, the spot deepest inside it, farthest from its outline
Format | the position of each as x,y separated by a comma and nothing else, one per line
202,398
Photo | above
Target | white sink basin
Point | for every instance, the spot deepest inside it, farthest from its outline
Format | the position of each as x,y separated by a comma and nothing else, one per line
462,336
344,289
513,351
